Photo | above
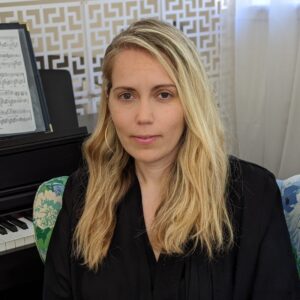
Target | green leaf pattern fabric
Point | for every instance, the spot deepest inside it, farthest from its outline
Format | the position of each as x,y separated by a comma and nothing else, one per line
47,204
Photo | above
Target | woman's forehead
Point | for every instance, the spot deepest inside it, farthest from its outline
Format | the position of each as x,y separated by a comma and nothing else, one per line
135,65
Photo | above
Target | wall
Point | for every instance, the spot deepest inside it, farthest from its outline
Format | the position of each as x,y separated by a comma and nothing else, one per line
73,34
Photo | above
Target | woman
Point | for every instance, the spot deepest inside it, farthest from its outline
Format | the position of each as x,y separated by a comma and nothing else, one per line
160,211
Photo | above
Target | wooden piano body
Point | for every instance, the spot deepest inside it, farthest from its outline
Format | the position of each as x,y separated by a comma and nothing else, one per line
25,162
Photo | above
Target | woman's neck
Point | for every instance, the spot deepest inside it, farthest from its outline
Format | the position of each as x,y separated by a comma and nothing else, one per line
150,177
150,174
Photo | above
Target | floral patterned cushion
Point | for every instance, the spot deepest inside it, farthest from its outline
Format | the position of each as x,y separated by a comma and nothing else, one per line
290,195
46,206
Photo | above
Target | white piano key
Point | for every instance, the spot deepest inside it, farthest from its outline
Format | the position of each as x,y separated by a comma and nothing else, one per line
18,239
9,240
2,247
2,244
20,242
28,233
10,245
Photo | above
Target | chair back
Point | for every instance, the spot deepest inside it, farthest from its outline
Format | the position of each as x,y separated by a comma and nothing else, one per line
46,206
290,197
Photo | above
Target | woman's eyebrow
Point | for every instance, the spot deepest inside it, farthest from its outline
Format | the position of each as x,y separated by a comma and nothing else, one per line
164,86
128,88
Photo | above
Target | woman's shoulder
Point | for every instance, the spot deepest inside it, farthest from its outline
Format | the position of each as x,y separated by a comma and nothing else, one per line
249,173
252,186
253,189
79,176
76,187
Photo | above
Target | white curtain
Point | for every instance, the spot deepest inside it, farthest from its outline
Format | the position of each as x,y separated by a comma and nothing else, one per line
265,76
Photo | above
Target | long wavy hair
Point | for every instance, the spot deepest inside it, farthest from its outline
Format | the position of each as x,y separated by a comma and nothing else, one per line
193,208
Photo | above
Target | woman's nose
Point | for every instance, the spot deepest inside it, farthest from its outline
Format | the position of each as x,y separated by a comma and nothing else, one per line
145,112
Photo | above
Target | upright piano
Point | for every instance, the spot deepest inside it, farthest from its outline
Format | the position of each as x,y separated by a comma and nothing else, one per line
25,162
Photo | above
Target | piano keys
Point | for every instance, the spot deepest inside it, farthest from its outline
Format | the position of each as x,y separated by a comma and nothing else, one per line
16,232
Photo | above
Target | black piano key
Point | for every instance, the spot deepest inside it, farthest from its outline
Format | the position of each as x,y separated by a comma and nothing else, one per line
3,230
8,225
28,216
16,222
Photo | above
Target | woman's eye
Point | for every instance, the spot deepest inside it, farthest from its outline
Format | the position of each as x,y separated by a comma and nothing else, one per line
165,95
126,96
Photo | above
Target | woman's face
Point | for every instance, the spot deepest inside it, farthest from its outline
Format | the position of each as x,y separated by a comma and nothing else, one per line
145,107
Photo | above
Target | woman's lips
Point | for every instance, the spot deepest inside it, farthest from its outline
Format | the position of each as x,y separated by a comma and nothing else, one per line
145,140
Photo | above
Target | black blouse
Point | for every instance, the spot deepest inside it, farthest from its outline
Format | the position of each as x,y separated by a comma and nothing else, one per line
260,266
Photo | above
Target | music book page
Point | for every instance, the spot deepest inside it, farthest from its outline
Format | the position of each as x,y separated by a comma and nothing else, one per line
16,111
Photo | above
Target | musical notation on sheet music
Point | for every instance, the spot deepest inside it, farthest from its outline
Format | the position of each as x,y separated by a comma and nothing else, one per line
16,109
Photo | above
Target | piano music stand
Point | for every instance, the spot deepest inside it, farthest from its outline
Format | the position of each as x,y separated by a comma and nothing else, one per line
60,99
23,106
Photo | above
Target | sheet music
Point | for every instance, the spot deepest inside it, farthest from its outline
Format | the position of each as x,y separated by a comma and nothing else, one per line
16,111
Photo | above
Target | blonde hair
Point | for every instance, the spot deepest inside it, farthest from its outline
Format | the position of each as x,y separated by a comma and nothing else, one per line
193,203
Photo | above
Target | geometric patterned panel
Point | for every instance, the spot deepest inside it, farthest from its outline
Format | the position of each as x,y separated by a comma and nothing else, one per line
104,20
200,21
57,33
73,34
